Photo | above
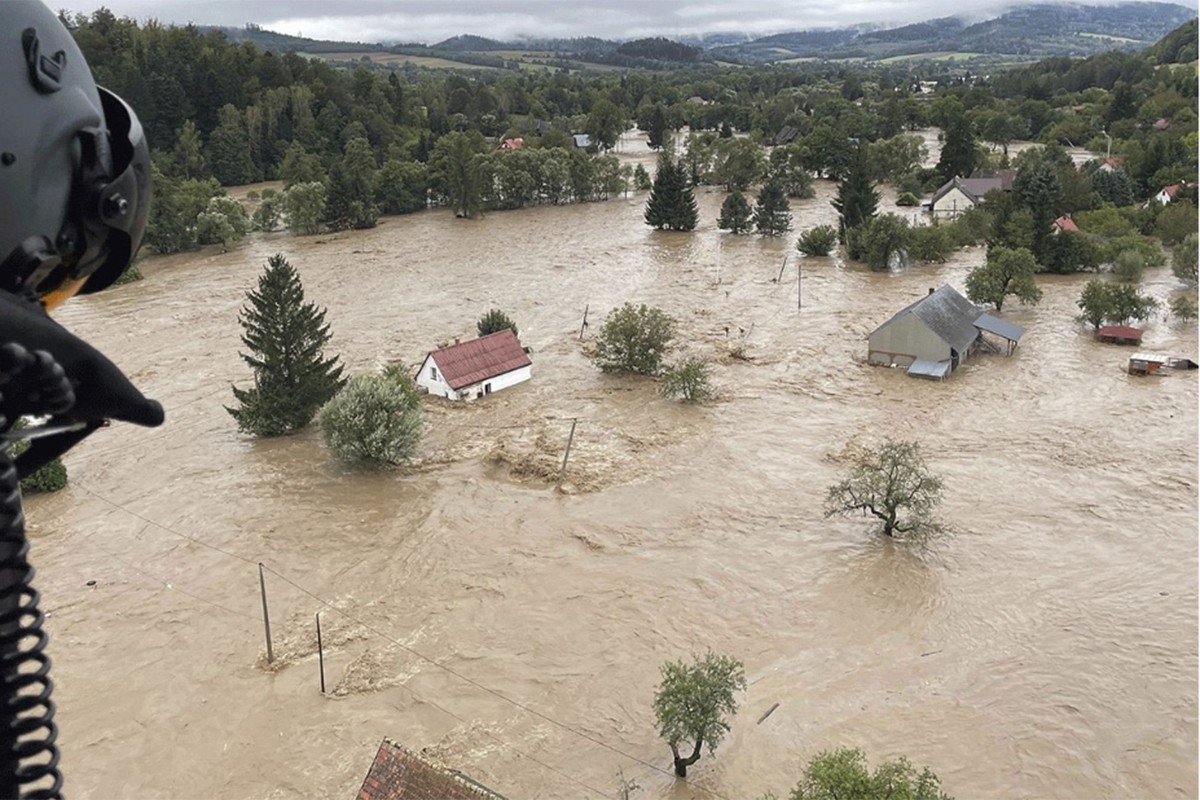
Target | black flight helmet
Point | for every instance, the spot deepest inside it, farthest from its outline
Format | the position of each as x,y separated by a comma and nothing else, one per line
74,165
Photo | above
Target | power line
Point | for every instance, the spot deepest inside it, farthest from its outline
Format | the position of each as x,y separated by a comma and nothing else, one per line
494,692
483,687
148,521
172,587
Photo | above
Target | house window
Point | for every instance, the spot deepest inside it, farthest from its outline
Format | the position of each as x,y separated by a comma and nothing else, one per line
433,372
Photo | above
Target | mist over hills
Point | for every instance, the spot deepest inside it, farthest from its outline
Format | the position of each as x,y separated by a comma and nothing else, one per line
1020,33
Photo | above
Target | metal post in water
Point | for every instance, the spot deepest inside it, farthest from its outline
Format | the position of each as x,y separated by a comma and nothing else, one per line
563,470
262,586
583,327
799,281
320,653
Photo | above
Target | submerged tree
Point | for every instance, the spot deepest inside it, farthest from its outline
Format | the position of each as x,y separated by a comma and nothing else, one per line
633,339
374,421
817,241
857,199
693,703
285,337
735,214
772,213
1006,272
893,485
689,379
843,775
672,204
495,320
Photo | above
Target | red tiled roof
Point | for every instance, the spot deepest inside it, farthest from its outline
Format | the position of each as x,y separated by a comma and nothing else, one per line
512,144
480,359
1065,223
397,774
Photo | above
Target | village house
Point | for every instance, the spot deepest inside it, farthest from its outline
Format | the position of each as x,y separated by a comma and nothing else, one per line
582,140
786,135
961,194
1168,193
471,370
934,335
512,144
1065,223
1119,334
398,774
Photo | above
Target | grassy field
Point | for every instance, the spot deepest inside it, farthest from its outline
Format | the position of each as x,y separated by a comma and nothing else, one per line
400,58
1111,38
929,57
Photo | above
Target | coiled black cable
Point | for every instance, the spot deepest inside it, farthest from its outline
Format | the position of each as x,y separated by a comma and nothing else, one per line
28,736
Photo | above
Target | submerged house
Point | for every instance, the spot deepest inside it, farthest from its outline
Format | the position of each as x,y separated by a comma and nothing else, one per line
398,774
962,194
470,370
934,335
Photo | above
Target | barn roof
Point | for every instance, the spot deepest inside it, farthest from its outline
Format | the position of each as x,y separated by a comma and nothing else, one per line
480,359
397,774
948,314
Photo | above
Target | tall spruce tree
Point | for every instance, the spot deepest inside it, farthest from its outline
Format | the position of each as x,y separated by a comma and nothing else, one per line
735,214
672,205
285,336
959,156
352,189
857,199
772,215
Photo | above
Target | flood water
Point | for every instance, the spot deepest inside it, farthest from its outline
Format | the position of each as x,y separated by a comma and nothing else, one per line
1048,650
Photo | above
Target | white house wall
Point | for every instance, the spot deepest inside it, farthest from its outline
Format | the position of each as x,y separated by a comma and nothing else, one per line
499,382
952,203
904,340
431,384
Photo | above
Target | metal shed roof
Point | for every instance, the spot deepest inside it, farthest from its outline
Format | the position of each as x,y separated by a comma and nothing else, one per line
950,315
924,368
1002,328
1155,357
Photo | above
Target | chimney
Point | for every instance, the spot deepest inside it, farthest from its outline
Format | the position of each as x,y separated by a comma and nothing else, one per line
456,340
931,290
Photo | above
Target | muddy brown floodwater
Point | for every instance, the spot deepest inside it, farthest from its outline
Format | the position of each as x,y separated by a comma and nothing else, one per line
1049,650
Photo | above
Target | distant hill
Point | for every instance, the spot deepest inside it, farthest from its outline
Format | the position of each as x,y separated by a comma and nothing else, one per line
1028,31
1178,46
1022,33
469,44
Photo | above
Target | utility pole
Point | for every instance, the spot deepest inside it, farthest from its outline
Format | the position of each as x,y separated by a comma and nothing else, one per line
320,653
563,470
799,281
583,327
262,586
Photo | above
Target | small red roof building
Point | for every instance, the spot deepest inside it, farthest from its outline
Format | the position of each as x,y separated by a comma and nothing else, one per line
1161,124
1065,223
397,774
1119,334
512,144
495,361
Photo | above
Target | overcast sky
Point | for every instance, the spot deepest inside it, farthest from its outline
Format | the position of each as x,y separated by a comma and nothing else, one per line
433,20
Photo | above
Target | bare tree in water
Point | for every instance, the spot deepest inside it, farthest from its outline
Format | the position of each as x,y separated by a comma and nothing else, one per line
893,485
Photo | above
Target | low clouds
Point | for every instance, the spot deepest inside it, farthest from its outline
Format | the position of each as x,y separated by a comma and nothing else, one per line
430,21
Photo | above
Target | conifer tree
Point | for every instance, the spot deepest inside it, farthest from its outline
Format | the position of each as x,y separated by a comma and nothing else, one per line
672,205
959,156
735,214
285,337
857,199
771,213
352,189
